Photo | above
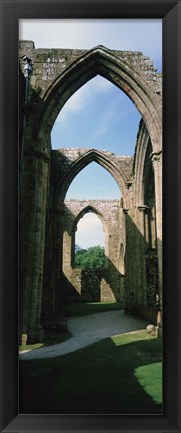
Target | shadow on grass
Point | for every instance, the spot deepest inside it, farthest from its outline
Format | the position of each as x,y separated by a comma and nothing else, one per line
104,378
50,338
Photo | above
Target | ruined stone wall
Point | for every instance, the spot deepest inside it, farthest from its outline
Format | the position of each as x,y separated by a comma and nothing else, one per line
66,163
102,285
56,75
66,157
127,276
59,214
49,63
147,175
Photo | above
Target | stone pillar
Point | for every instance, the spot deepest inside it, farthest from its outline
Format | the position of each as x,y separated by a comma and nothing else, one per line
157,165
56,255
67,252
136,286
33,199
130,260
143,295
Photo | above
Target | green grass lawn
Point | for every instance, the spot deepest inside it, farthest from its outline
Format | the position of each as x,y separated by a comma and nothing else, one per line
84,308
118,375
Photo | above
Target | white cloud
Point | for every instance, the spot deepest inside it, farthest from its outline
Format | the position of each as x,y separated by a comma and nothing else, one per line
75,104
108,116
90,220
89,231
137,34
87,33
127,34
82,98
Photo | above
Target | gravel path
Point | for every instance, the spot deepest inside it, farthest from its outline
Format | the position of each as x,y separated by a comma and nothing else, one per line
86,330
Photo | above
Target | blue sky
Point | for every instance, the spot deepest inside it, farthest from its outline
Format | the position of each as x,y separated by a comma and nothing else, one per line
103,113
98,115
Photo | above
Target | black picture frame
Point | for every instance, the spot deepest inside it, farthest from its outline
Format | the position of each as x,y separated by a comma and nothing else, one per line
11,12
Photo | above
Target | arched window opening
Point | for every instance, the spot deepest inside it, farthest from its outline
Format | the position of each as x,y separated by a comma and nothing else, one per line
97,116
89,243
149,200
93,182
121,259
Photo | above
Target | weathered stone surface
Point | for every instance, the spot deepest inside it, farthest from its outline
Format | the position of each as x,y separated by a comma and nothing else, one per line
133,224
97,285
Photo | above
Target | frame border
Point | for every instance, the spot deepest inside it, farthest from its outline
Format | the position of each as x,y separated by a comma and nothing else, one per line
170,12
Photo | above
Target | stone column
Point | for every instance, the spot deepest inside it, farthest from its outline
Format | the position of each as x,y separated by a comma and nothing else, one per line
33,200
157,165
66,253
143,295
130,262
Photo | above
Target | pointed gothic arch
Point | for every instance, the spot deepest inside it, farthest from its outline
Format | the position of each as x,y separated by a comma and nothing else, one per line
101,61
104,161
141,152
87,209
51,85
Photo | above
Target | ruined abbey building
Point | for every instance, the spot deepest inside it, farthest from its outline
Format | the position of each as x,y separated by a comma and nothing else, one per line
48,222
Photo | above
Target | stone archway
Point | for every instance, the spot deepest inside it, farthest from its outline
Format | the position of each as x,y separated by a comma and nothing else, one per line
148,197
105,282
90,208
112,66
66,163
56,76
120,167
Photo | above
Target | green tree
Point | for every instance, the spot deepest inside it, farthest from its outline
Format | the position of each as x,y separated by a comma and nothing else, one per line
92,258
